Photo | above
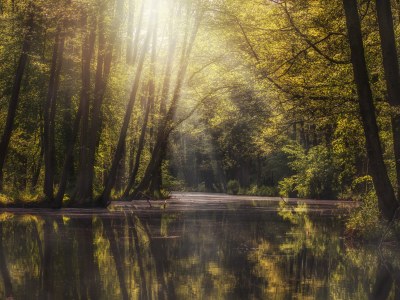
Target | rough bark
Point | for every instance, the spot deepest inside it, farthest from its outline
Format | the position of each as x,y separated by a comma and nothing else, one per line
386,197
392,75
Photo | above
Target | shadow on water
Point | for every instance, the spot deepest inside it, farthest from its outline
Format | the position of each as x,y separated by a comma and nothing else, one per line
241,252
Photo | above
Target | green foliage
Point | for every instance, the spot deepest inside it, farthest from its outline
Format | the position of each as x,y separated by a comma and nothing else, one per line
263,190
365,221
315,173
233,187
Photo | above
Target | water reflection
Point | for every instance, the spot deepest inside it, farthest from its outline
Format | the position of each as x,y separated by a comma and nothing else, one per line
224,254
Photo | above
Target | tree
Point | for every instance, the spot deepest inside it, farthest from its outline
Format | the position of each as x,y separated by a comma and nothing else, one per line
13,104
386,197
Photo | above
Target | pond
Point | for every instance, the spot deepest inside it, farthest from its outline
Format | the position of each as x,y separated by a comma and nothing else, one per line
194,246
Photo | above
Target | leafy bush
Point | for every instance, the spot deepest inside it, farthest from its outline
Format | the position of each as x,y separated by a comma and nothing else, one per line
315,173
364,222
233,187
255,190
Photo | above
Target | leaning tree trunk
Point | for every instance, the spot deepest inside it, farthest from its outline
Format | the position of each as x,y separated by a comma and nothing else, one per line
149,104
135,168
105,55
392,75
13,104
105,196
386,197
151,179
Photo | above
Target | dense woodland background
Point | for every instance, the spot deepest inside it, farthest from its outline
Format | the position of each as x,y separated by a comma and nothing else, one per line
127,99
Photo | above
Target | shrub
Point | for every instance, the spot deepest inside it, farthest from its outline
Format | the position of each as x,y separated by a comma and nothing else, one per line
233,187
365,222
315,173
255,190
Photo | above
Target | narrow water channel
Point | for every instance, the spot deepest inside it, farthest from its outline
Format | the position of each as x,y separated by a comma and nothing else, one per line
219,249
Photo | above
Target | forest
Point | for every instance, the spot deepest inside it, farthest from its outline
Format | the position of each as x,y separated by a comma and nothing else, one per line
126,99
199,149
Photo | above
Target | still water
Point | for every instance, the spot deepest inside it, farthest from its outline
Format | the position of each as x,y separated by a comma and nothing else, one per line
218,249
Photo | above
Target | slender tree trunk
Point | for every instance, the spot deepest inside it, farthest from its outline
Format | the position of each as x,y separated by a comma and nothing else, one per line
129,42
168,71
83,192
139,151
104,61
149,104
153,169
49,116
87,49
392,75
386,197
13,104
36,169
132,59
87,54
121,171
105,196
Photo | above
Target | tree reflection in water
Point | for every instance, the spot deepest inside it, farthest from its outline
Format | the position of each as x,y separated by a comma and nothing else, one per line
227,254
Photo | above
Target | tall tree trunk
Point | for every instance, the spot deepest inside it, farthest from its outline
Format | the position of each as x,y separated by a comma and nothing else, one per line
149,104
105,54
87,55
386,197
168,70
153,169
139,150
49,116
38,166
392,75
129,42
87,51
13,104
132,59
105,196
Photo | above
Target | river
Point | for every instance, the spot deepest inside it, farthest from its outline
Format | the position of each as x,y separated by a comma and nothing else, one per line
192,246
